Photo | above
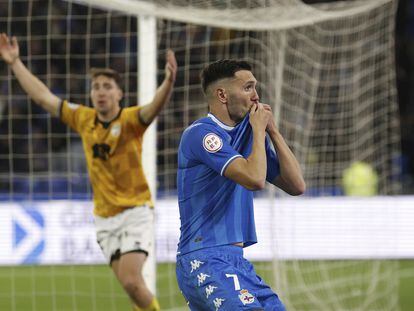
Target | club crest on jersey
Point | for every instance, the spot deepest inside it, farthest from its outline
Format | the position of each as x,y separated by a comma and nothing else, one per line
116,130
212,142
245,297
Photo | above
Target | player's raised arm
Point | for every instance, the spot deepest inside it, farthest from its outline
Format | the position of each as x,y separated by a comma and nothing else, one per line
35,89
290,178
250,172
150,111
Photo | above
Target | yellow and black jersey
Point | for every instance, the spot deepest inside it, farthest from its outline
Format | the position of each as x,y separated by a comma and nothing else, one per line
113,154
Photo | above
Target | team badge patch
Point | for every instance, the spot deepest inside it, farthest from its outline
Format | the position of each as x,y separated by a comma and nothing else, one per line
245,297
212,142
116,130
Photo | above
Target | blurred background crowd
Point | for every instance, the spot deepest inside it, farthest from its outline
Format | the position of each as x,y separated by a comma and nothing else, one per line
49,153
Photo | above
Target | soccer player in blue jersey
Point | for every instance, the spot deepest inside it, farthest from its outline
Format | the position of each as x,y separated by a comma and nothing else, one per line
222,159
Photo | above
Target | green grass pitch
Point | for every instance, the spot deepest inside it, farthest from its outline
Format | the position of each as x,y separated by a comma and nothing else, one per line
78,288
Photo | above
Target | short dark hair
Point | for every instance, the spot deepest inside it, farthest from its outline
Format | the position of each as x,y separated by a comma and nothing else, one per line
107,72
224,68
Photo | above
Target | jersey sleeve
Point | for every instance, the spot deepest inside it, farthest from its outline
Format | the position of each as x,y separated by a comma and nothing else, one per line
131,115
209,146
74,115
273,169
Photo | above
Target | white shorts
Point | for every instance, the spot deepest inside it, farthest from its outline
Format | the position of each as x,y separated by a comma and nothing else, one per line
130,231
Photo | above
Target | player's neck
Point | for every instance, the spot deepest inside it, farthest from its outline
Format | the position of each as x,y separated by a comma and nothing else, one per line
108,116
223,117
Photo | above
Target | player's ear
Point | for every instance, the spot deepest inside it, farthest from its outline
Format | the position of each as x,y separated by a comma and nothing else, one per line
221,95
120,94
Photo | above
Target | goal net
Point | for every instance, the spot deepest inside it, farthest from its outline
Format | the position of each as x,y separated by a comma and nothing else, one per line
327,70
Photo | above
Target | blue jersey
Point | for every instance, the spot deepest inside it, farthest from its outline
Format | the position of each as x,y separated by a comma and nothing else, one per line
215,210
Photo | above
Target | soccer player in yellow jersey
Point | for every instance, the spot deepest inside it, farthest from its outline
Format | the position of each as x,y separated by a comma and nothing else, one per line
112,141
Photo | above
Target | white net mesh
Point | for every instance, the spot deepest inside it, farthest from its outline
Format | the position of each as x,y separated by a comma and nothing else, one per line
240,14
330,84
327,70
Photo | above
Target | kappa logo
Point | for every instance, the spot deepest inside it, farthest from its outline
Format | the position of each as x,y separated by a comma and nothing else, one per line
210,290
212,142
218,302
245,297
201,278
195,264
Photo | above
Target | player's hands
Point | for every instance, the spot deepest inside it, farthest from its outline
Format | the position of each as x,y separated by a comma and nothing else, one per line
170,66
259,117
9,49
271,124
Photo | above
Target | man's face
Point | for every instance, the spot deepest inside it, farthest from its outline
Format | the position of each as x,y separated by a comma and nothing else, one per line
242,95
105,95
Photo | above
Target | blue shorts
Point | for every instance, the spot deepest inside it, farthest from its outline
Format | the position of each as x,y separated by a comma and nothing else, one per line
219,278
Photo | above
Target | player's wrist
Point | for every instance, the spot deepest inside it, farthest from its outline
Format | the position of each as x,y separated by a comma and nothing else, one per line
13,61
169,79
259,131
272,131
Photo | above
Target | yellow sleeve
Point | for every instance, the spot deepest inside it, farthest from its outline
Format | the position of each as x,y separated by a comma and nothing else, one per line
131,115
74,115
